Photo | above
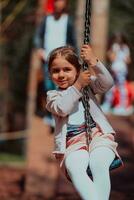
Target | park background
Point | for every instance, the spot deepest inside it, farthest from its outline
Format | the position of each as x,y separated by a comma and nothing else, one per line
27,169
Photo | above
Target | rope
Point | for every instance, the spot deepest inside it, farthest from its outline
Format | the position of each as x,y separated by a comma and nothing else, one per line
90,123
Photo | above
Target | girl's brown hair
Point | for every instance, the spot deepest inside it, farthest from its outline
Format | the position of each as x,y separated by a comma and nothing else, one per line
68,53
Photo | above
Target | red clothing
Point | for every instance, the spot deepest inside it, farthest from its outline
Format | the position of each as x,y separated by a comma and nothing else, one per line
130,94
49,8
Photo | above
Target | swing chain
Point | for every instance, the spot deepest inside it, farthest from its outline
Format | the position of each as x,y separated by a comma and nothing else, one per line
87,22
90,123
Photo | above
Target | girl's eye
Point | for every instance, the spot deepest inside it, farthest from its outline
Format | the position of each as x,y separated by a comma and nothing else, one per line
55,70
67,69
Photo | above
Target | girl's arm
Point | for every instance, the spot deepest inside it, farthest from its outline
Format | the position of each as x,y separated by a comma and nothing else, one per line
100,79
62,103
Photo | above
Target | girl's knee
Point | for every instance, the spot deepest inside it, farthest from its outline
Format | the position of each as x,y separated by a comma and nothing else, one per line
101,158
98,167
77,162
70,167
74,169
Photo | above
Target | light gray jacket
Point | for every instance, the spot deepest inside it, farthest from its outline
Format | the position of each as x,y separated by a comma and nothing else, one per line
62,103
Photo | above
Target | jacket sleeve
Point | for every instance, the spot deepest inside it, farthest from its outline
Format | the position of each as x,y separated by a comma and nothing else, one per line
62,103
39,34
71,33
102,81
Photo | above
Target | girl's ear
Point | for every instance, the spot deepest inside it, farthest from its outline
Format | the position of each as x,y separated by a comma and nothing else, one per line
77,75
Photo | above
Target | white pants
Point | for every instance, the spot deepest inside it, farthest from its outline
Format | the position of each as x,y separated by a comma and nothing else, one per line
99,161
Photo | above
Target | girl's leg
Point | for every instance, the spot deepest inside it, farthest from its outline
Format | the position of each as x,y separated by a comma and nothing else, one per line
123,90
76,164
100,160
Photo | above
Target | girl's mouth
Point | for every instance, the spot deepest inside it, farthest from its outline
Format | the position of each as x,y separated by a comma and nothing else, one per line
62,82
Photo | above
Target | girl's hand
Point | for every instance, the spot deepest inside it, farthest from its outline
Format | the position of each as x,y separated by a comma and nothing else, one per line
88,56
83,79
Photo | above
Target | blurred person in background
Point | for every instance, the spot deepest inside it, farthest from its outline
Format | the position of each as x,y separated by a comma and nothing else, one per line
119,57
56,29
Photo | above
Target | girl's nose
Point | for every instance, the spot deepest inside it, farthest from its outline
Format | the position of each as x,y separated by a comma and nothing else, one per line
61,74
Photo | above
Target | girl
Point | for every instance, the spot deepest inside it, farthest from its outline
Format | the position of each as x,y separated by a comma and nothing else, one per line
74,152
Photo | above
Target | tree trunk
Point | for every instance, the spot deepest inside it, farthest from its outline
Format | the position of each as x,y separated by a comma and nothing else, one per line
80,22
99,27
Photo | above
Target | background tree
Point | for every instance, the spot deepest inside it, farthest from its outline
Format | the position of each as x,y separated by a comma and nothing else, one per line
17,28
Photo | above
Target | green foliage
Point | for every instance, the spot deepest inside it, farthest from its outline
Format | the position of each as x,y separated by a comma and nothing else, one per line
16,49
121,17
6,158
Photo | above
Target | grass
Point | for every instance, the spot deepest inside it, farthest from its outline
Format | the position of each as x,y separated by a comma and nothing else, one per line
12,159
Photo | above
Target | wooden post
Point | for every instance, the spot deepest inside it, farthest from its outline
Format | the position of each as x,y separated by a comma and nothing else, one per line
41,166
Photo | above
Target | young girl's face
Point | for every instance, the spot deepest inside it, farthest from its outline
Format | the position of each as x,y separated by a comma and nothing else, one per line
63,73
